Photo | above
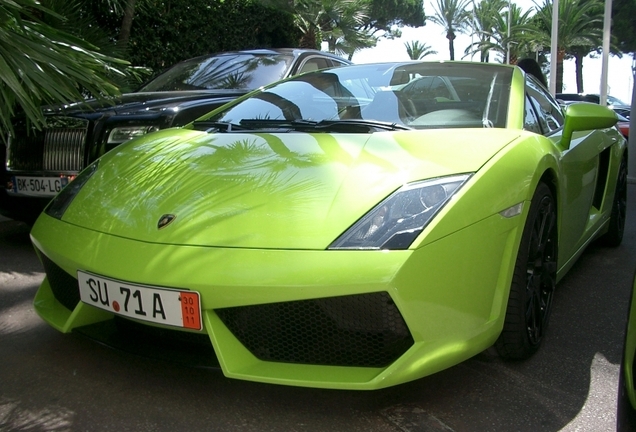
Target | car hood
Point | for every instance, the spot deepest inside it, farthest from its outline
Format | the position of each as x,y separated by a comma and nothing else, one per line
265,190
134,103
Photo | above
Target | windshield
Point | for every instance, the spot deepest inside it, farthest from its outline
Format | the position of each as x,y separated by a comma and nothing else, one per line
611,100
414,95
227,71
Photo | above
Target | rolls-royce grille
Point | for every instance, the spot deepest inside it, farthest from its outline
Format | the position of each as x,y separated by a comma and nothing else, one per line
365,330
64,149
56,148
64,286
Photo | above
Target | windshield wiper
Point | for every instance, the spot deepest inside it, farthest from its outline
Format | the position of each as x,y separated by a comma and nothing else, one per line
217,126
300,125
359,125
344,126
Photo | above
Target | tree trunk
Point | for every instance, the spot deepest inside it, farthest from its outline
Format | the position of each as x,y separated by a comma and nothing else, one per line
450,35
484,55
559,72
126,24
579,72
308,39
332,44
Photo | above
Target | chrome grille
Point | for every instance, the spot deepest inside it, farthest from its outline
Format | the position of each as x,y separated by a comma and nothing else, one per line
58,147
25,151
64,149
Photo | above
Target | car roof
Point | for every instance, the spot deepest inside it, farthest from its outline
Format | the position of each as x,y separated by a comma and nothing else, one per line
273,51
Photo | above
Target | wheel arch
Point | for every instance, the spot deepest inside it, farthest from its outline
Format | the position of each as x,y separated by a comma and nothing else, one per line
547,172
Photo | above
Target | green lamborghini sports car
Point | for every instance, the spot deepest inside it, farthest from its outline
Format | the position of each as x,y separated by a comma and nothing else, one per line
353,228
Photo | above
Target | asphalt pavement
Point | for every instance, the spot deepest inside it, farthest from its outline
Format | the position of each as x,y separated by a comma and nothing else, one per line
55,382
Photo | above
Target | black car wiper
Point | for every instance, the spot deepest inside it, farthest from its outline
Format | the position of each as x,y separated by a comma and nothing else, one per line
217,126
268,124
344,126
300,125
359,125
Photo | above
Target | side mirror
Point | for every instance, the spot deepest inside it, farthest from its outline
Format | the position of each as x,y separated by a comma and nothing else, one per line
586,116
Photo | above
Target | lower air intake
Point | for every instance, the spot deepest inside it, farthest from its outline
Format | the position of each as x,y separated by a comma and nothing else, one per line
64,286
365,330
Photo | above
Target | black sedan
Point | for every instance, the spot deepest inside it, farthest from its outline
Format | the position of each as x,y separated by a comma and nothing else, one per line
38,164
616,104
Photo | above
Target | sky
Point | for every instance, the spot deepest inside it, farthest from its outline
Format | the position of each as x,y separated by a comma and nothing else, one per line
620,76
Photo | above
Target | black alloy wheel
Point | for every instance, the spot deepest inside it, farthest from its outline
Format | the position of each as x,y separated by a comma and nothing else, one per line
533,282
541,269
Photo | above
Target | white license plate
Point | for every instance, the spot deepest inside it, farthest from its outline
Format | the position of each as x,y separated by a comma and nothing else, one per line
38,186
158,305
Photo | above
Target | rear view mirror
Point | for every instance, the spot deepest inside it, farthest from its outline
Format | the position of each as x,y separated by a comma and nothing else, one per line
586,116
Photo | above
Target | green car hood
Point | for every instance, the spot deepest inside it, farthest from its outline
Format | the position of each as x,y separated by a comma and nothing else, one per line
265,190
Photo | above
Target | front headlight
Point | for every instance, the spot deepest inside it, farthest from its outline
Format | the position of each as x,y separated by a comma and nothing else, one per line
400,218
60,203
122,134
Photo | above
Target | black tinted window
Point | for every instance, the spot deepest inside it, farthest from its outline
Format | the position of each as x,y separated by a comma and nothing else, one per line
547,110
235,71
531,122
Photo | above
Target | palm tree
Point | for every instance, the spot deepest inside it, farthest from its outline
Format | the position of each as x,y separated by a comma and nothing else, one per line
579,25
352,42
417,50
497,39
126,22
483,25
337,22
74,17
453,16
43,65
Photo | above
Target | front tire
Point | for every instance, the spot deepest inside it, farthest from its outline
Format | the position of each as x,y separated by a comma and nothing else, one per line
533,281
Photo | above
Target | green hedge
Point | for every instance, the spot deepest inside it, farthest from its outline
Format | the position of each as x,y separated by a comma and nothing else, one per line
166,32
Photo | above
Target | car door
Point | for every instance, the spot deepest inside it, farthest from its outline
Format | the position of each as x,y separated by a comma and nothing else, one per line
584,170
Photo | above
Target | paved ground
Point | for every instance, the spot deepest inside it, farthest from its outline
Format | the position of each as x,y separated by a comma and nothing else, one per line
55,382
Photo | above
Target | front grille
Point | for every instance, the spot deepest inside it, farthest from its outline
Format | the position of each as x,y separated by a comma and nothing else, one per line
64,149
365,330
25,150
60,146
64,286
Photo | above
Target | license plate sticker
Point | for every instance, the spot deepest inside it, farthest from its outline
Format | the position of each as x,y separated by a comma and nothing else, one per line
147,303
38,186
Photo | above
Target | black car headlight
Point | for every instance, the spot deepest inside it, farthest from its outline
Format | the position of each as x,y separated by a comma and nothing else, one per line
401,217
60,203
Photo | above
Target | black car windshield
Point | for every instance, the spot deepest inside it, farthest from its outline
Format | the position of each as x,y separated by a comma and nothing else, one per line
413,95
222,72
615,101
